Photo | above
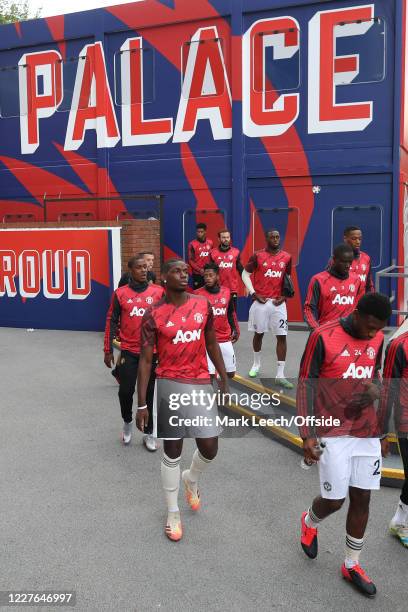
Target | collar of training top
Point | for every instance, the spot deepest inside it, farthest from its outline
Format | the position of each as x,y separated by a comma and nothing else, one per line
215,289
337,275
138,287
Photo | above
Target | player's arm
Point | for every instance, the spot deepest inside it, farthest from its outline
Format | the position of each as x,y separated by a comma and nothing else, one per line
239,265
246,278
233,321
311,305
214,351
369,288
288,271
394,364
148,340
191,261
111,330
310,367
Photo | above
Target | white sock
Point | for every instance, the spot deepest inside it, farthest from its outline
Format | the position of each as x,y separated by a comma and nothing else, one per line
257,359
170,474
280,373
198,465
401,515
353,550
312,520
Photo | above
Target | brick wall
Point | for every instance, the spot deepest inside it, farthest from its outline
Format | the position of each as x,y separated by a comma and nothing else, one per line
136,235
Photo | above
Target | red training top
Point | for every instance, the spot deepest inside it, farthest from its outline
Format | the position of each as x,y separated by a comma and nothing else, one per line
225,318
129,304
230,267
395,396
330,297
334,365
179,334
268,272
199,255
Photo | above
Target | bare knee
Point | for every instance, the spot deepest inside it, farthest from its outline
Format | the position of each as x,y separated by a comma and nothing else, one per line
173,448
208,447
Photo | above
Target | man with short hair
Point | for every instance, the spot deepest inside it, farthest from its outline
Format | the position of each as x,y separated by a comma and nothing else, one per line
151,276
199,254
335,400
129,303
149,258
333,293
181,327
225,319
361,264
228,259
268,268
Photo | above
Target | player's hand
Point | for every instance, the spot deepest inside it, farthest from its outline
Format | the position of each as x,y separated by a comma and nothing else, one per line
234,337
385,447
368,396
142,419
309,449
278,301
109,360
223,386
258,298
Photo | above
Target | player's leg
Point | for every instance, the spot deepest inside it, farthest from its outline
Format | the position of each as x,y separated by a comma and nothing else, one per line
205,412
127,382
279,325
149,440
228,355
170,475
365,477
334,475
203,456
399,522
319,510
357,518
258,322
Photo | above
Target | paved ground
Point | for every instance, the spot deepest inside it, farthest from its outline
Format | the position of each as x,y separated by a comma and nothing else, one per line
81,512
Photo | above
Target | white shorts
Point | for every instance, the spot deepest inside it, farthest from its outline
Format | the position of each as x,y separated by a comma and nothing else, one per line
265,317
228,355
349,462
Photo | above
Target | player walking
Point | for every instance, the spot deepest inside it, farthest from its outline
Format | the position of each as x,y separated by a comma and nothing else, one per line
199,254
181,327
228,259
339,364
225,320
333,293
128,306
268,268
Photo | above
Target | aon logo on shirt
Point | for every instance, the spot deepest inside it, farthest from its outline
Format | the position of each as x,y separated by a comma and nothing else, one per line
226,264
217,312
343,300
188,336
137,312
204,254
273,274
354,371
